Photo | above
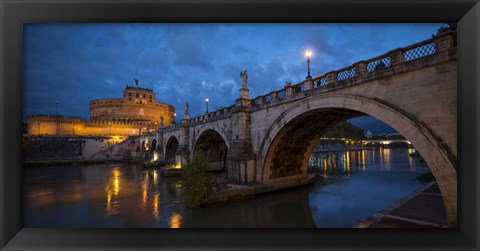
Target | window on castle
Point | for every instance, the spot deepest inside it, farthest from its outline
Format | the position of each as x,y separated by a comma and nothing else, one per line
143,95
137,95
129,94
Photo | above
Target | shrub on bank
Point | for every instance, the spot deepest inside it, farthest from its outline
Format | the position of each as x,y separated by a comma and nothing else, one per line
197,183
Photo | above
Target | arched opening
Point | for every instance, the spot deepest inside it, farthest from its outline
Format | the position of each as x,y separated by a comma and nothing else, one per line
171,150
210,142
153,152
292,147
290,140
153,146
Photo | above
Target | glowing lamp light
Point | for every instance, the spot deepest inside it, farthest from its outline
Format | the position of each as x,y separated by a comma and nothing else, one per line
206,102
308,54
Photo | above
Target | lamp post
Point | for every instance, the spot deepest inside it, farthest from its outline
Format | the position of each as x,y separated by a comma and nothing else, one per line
308,54
206,101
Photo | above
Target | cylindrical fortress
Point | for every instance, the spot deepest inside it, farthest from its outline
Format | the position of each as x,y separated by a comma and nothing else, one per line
138,104
137,112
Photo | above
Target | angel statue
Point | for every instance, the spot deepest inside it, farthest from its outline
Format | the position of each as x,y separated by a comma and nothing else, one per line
185,107
244,76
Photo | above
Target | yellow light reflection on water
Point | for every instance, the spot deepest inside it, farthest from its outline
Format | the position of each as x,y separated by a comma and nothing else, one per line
324,166
381,156
175,220
113,190
155,177
109,201
116,181
363,161
386,153
145,190
155,212
347,160
144,198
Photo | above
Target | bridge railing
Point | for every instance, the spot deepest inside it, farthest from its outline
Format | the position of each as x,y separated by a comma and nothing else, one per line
172,127
439,43
216,114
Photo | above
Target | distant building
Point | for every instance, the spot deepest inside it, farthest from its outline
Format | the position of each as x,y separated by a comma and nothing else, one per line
137,112
368,134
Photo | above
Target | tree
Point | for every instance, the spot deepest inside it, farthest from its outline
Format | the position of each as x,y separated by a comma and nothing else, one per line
345,130
446,27
197,183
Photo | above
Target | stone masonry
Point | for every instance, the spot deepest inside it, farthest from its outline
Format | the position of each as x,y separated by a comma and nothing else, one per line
270,138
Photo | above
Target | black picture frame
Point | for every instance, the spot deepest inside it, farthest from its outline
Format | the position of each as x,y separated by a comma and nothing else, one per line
15,13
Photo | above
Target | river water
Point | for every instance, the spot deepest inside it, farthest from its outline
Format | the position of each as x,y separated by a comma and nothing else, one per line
352,185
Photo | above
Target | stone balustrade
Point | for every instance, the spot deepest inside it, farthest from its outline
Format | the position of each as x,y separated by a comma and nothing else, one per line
396,57
220,113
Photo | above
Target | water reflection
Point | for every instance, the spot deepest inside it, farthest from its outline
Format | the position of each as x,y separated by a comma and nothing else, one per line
175,220
355,184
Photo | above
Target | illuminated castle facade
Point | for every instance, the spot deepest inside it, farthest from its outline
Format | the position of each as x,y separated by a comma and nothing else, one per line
137,112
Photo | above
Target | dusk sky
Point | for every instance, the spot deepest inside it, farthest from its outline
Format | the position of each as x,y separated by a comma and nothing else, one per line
76,63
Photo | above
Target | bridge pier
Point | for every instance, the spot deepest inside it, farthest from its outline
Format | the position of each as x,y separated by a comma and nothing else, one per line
242,161
183,153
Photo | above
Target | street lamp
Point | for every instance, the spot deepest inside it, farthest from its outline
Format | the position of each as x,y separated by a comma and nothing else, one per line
308,54
206,101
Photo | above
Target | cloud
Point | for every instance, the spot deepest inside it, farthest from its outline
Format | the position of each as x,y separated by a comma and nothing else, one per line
188,62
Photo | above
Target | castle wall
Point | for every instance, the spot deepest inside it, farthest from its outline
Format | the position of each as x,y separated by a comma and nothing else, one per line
54,124
137,104
102,110
136,112
60,125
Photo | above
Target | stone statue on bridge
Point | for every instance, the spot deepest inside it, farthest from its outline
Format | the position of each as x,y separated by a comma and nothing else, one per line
185,108
244,76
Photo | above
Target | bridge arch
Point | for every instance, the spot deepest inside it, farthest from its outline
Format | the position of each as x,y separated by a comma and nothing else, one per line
171,150
210,141
153,153
289,141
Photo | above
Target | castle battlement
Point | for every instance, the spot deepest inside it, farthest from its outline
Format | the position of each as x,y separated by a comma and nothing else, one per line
54,118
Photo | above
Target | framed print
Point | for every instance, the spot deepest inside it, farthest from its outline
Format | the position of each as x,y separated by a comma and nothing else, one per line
258,125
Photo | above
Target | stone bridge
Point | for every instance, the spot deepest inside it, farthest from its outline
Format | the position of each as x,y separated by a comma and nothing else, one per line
385,142
268,140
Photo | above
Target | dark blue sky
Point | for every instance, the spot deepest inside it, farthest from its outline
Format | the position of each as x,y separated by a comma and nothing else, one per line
188,62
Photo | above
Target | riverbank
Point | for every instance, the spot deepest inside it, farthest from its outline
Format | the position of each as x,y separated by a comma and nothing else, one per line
240,192
422,209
